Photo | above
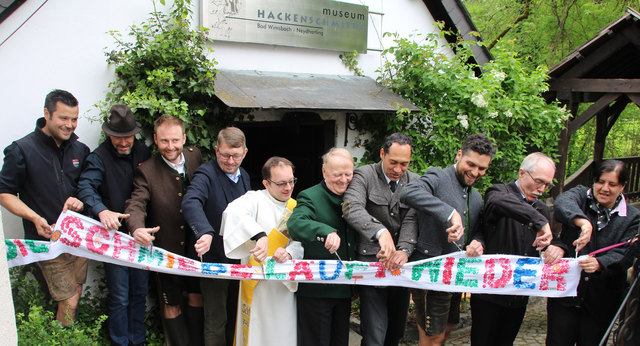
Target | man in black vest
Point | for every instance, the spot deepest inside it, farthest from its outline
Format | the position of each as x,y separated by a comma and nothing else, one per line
214,185
38,180
105,184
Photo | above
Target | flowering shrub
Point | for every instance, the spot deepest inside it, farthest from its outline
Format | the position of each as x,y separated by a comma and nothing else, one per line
504,103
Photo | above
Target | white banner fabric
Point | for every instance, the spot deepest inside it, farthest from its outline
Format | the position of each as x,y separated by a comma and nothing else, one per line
455,272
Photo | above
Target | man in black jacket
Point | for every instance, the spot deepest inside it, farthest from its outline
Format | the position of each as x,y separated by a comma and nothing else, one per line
105,184
515,222
38,181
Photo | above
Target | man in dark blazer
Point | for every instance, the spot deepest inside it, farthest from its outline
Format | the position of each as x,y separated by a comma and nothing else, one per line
156,216
448,212
514,222
316,222
386,231
214,185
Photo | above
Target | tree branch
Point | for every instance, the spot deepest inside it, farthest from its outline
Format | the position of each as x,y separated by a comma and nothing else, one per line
523,16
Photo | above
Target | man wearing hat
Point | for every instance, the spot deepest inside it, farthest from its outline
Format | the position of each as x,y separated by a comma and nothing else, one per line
105,184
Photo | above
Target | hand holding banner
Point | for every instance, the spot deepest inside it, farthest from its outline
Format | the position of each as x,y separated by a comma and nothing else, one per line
488,274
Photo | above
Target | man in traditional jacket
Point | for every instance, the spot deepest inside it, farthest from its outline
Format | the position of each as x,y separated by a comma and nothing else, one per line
156,220
515,222
215,184
254,227
448,218
105,185
324,309
38,181
386,231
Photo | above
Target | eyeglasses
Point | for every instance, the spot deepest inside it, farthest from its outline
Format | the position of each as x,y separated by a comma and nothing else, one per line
283,183
539,182
235,157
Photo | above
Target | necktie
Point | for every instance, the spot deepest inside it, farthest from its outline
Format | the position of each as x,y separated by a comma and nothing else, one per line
393,185
467,222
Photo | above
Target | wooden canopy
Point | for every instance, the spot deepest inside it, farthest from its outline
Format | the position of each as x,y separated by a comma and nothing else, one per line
604,71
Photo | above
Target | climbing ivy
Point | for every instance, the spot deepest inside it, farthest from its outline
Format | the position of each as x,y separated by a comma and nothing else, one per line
164,66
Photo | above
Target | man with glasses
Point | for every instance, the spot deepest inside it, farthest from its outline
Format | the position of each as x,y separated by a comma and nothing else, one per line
254,227
515,222
215,184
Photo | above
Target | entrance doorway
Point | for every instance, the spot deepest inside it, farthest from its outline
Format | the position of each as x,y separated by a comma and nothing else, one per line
301,137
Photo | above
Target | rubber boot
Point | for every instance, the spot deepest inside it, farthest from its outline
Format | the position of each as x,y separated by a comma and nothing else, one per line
195,324
176,331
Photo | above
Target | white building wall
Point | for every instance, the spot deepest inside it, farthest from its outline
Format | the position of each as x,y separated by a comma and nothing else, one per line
62,46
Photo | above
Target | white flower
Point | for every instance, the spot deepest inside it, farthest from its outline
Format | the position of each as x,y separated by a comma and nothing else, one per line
498,75
463,120
478,100
508,114
493,114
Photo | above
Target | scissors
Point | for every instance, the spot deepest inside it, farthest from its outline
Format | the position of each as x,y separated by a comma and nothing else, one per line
322,239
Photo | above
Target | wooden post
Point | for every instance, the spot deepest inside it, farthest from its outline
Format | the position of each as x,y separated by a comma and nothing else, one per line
8,333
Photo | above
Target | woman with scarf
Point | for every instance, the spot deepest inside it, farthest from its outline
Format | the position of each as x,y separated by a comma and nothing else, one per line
601,212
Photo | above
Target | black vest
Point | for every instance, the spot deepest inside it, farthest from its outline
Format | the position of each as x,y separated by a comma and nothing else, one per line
117,182
52,174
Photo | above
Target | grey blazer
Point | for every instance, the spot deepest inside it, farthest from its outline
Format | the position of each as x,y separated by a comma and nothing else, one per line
434,196
369,206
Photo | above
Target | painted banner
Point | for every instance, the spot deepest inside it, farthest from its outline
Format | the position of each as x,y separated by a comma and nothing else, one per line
455,272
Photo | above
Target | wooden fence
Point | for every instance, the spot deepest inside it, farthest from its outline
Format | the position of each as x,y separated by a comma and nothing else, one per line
584,176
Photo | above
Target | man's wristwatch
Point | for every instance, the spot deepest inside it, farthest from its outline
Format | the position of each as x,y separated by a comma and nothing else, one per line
405,250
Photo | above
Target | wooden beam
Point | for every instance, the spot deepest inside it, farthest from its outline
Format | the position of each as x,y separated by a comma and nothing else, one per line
561,168
631,34
563,150
600,138
601,85
615,111
597,57
594,109
635,98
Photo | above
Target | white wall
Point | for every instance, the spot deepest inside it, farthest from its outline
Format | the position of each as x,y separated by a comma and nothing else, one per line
62,46
402,16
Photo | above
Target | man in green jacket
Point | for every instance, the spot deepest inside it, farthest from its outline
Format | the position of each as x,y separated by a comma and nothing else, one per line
323,309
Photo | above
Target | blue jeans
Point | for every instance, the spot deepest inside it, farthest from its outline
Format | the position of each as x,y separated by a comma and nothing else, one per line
126,303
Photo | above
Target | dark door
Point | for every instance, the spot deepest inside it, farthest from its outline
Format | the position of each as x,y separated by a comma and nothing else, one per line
300,137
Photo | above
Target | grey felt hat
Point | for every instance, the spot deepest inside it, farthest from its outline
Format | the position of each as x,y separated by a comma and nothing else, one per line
121,122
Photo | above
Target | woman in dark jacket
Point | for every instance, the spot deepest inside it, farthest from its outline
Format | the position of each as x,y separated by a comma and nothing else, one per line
603,212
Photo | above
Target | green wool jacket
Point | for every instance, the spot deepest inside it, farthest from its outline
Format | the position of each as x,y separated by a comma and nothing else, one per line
318,213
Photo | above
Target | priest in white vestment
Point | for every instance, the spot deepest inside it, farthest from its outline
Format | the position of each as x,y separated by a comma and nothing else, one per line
267,315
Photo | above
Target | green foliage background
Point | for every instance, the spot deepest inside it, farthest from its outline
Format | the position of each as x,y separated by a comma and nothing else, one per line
503,103
35,314
552,30
164,66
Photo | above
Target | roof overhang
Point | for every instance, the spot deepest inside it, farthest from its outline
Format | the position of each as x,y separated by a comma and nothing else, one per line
280,90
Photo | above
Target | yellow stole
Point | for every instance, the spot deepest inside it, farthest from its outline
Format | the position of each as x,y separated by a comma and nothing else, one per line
278,237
